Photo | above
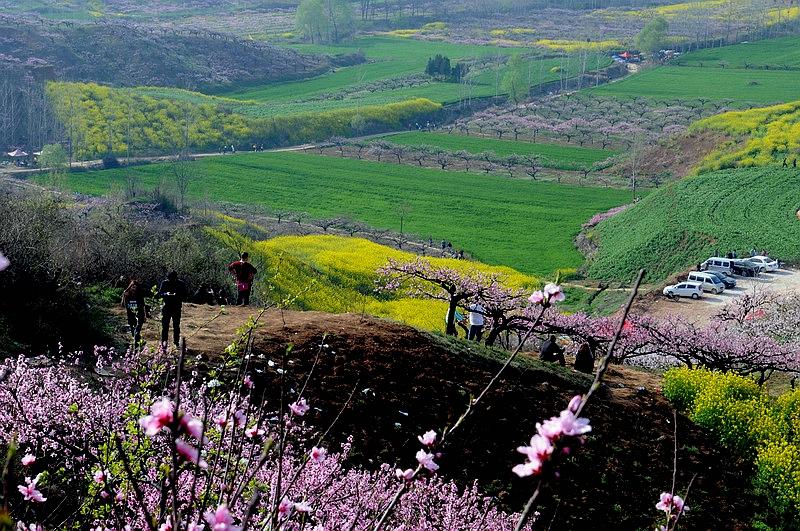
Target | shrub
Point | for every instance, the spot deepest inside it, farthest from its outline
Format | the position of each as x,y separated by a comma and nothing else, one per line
778,475
682,385
746,419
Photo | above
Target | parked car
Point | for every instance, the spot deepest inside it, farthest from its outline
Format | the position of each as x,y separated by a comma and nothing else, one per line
728,280
715,263
684,289
707,281
769,264
746,268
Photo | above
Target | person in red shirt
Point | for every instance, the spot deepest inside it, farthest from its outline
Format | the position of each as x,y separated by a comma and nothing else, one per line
244,273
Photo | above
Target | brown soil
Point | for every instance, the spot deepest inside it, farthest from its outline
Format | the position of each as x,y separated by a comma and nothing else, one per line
408,381
674,158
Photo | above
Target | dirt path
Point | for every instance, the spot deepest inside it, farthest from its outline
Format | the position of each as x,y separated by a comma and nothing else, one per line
784,281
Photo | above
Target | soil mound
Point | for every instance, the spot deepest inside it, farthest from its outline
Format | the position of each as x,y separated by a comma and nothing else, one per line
409,381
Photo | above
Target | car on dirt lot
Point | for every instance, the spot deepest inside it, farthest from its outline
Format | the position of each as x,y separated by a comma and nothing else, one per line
746,268
728,280
707,281
769,264
684,289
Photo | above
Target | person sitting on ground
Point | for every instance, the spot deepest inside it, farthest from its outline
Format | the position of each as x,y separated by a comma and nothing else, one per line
204,295
173,292
584,359
476,312
134,304
552,352
244,273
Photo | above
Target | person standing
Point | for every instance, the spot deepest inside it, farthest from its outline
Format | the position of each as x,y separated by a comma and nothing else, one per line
134,304
173,292
244,273
476,312
584,359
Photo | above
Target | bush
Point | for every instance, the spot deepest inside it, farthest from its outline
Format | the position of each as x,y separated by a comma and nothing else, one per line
110,162
746,419
682,385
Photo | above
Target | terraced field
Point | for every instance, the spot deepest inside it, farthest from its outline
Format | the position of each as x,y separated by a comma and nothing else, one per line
689,220
557,156
772,54
522,224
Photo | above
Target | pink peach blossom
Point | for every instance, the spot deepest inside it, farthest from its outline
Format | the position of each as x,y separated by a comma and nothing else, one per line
29,490
221,519
426,460
300,407
428,438
407,474
318,454
29,459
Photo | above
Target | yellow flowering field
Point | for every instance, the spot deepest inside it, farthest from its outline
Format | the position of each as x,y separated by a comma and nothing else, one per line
337,274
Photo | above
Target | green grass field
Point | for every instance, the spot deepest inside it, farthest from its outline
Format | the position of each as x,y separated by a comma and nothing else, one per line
390,57
689,220
677,82
775,54
553,155
522,224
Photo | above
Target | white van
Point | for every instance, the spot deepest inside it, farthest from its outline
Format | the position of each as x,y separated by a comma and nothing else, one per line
723,265
707,281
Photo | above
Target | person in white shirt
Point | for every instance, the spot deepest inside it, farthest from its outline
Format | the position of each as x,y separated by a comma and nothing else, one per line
476,312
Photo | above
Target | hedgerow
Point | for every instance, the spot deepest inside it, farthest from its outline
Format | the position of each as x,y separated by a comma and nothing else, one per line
746,419
101,120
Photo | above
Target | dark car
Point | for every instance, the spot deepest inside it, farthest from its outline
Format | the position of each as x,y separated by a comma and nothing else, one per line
729,282
745,268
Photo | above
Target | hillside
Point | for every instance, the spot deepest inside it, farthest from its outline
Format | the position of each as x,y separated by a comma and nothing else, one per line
689,220
125,54
410,381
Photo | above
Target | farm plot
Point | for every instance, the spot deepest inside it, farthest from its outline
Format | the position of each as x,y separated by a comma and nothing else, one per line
555,156
692,219
676,82
770,54
522,224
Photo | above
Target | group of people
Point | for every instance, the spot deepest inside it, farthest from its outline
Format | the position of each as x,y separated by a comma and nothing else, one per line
733,254
173,293
552,352
786,163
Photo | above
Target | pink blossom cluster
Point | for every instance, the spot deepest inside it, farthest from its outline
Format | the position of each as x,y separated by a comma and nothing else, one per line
64,420
552,434
673,507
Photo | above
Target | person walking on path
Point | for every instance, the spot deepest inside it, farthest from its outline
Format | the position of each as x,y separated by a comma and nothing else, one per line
552,352
244,273
173,292
476,312
133,302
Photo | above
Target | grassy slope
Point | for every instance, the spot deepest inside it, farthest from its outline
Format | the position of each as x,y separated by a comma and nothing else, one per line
687,221
343,273
519,223
773,53
554,155
675,82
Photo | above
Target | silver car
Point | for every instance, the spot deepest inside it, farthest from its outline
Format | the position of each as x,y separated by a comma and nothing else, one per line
684,289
